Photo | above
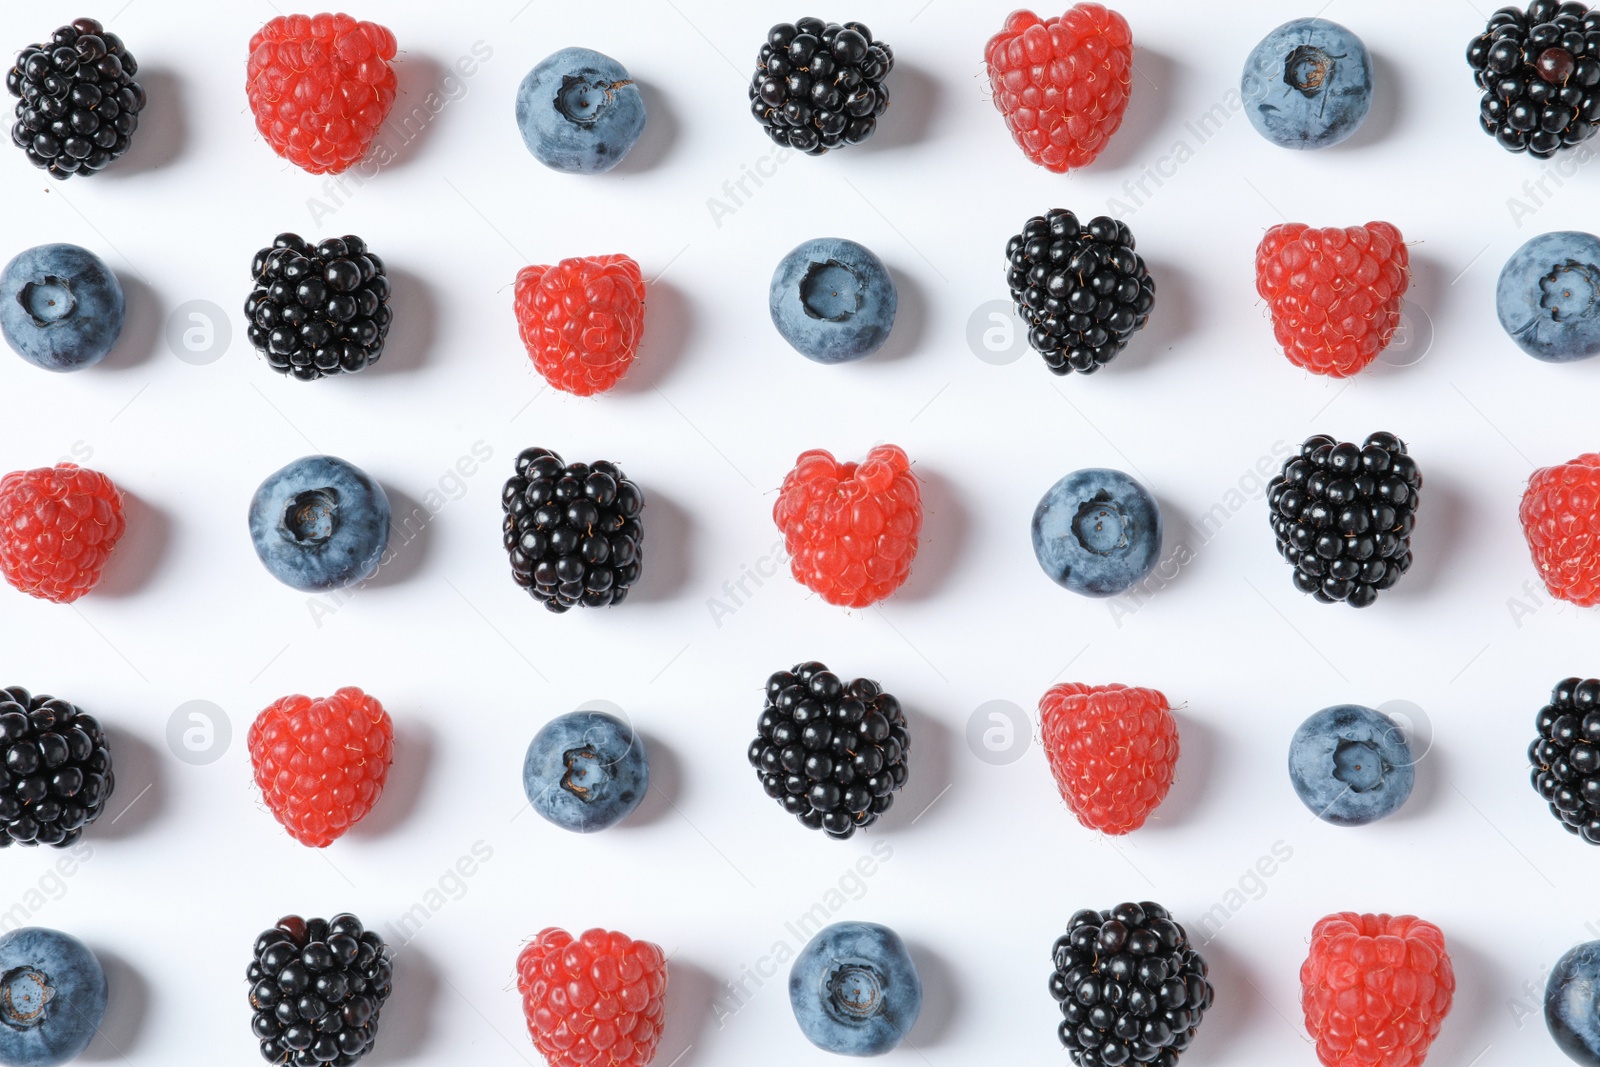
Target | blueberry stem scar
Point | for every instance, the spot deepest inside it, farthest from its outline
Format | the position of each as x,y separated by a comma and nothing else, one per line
24,993
575,100
312,517
48,301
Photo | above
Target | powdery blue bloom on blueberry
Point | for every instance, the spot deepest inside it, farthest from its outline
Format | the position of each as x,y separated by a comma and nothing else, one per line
1097,532
320,523
61,308
585,771
1548,297
833,300
1572,1004
579,111
1308,84
855,990
1351,765
52,997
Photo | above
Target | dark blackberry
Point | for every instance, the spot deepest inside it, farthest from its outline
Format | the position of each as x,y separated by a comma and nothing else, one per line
1131,988
317,986
1082,289
1566,756
831,754
77,102
1539,70
819,85
55,777
320,310
574,530
1343,513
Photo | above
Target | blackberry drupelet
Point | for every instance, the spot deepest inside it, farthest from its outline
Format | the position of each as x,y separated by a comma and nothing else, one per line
1539,70
1082,289
318,310
574,530
1131,988
77,102
1566,756
317,986
55,776
831,754
819,85
1342,514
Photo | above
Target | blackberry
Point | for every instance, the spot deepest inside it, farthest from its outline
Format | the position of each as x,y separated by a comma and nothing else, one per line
1082,289
77,102
318,310
819,85
1539,70
1131,988
832,754
56,775
573,530
1566,756
317,986
1342,514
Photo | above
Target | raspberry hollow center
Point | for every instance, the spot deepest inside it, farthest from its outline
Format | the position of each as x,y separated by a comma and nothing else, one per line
855,991
582,100
1358,765
48,301
1307,70
24,993
1101,527
830,291
311,516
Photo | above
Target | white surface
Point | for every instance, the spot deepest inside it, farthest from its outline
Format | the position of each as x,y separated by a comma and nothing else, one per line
709,422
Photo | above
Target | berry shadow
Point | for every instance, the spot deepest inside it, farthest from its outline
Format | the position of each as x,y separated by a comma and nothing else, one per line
668,323
163,132
946,524
1444,512
414,747
138,555
142,325
1175,530
666,783
1154,77
137,799
409,535
914,98
1197,741
127,1006
930,774
1237,1006
1475,1011
1172,320
941,997
1383,118
660,133
410,124
415,325
669,531
910,319
408,1013
1431,775
690,988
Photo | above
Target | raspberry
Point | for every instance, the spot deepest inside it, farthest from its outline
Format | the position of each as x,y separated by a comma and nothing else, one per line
1112,750
1335,294
597,1001
321,764
1062,83
1561,520
1375,989
851,531
320,88
58,526
581,321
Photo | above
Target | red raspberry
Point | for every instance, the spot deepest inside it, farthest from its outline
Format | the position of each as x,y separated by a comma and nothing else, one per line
1335,294
581,320
321,764
1375,989
320,87
851,531
58,526
597,1001
1062,83
1112,750
1561,519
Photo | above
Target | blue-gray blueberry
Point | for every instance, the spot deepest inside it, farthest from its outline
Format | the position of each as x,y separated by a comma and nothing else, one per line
320,523
1548,296
833,300
1351,765
579,111
1308,84
585,771
61,308
1097,532
855,990
52,997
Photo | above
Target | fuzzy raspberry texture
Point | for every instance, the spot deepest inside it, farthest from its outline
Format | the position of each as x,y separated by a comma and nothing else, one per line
851,531
581,321
1375,989
1335,294
1113,750
321,764
320,87
58,526
593,1001
1062,83
1561,520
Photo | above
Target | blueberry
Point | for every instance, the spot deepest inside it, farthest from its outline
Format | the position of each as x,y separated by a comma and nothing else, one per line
1548,297
585,771
579,111
1308,84
833,300
1351,765
320,523
1097,532
60,307
52,997
855,990
1572,1003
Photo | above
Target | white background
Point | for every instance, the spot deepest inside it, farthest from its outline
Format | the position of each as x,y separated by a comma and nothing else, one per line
717,408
